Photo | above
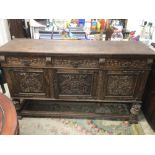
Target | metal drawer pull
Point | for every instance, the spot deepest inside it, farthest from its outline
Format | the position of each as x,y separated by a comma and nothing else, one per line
48,59
149,61
101,60
2,58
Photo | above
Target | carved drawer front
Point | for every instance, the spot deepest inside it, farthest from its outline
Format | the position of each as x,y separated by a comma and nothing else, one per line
126,63
75,83
25,61
121,84
27,82
75,62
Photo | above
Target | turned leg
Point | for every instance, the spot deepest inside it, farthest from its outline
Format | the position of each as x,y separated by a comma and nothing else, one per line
18,129
18,105
19,117
134,111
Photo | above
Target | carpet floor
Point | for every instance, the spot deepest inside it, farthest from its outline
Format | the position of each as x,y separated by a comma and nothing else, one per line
43,126
56,126
53,126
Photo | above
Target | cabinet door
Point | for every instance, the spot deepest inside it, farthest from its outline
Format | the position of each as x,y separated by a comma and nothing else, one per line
75,84
27,82
122,84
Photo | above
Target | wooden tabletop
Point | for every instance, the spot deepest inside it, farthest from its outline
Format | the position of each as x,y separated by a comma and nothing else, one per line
8,116
76,47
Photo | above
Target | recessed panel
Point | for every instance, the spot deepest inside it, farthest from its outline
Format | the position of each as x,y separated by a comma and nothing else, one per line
30,82
74,84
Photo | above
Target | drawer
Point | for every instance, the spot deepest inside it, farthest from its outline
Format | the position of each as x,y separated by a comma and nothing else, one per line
126,63
24,61
75,62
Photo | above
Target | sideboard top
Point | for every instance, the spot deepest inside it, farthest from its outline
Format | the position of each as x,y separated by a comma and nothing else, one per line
76,47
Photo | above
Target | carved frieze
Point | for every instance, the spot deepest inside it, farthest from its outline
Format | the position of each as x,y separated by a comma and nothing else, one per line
71,62
130,63
74,84
30,82
119,85
26,60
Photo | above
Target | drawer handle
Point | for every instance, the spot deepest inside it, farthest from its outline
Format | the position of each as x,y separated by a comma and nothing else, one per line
101,61
2,58
48,60
149,61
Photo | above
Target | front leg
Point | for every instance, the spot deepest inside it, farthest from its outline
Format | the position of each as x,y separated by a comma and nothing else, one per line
134,111
18,105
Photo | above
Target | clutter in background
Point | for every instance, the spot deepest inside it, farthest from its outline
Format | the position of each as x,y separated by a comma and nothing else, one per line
143,33
117,30
147,31
134,37
82,29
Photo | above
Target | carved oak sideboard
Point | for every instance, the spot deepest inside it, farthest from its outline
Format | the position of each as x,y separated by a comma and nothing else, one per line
76,78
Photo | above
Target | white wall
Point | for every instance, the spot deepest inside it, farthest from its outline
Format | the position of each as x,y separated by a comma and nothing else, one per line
4,32
135,25
4,38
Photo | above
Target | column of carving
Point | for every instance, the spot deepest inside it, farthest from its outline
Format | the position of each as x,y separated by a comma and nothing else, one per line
52,83
100,79
100,85
55,84
134,111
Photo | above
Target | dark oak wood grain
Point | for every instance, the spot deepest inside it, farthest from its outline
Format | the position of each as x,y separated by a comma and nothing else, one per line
76,47
82,71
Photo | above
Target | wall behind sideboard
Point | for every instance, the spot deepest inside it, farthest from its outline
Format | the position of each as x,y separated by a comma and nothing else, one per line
4,32
136,25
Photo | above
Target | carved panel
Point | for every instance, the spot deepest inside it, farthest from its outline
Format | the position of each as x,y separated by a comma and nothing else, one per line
120,85
74,62
26,60
30,82
130,63
74,84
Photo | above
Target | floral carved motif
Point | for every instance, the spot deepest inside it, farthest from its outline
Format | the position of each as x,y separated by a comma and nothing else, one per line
75,84
30,82
120,85
125,63
21,60
61,62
